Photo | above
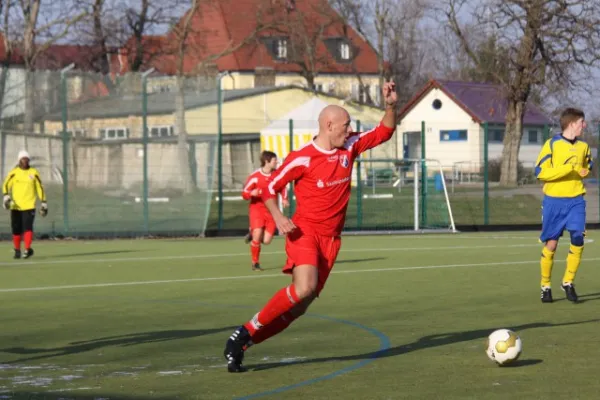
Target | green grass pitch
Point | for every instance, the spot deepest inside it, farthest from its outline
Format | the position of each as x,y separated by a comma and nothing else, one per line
148,319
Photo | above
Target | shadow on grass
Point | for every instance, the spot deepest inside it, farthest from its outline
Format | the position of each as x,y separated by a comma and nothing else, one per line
123,341
425,342
582,298
91,253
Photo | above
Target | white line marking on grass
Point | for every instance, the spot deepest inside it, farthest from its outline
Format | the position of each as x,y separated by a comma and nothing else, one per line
241,277
83,260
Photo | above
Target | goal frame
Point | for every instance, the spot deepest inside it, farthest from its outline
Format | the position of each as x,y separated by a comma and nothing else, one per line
418,164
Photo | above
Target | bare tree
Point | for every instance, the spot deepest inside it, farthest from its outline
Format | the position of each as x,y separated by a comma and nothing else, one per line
5,6
189,40
390,27
149,16
40,27
549,43
304,30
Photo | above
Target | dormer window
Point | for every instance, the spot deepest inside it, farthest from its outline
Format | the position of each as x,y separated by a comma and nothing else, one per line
341,49
344,51
281,46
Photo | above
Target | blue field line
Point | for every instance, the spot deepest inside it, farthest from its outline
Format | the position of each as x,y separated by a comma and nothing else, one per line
384,345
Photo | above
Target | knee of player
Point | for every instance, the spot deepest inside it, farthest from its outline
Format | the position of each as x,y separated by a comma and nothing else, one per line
267,240
577,238
306,290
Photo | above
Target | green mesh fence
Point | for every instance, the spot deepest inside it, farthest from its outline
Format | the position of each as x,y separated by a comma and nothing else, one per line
115,156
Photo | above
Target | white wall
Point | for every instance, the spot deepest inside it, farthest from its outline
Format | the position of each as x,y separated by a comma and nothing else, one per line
469,153
449,117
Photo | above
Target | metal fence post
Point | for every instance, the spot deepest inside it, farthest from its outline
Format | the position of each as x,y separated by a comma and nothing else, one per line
145,146
423,177
359,205
486,177
65,146
291,188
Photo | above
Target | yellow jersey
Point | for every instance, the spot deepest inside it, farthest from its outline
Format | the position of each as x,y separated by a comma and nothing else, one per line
22,185
558,163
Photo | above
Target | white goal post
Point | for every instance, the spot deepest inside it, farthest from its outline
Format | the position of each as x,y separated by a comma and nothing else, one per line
383,200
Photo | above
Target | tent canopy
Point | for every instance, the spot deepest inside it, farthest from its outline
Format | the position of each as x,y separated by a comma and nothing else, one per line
305,119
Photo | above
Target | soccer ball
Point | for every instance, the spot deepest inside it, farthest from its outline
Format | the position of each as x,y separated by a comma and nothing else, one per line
503,346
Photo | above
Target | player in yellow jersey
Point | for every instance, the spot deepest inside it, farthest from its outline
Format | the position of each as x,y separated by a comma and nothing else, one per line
20,188
562,164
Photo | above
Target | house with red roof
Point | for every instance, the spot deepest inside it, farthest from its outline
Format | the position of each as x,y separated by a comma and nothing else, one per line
265,43
454,113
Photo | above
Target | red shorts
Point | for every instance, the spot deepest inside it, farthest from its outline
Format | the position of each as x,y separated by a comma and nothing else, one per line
320,251
262,220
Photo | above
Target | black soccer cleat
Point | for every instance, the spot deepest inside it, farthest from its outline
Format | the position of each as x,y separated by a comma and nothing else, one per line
247,238
569,289
256,267
28,253
234,349
17,254
546,295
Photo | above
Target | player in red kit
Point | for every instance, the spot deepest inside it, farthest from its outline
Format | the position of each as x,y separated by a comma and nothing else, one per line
321,171
262,224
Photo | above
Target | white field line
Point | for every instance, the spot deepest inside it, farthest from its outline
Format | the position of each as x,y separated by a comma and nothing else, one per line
245,254
260,276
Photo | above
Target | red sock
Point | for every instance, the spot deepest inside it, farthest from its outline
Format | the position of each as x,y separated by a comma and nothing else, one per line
255,251
283,301
28,238
17,242
273,328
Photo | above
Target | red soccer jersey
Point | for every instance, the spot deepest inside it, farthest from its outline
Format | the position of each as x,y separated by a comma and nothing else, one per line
322,181
258,180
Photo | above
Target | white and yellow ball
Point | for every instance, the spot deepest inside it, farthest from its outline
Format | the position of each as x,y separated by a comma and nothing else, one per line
503,346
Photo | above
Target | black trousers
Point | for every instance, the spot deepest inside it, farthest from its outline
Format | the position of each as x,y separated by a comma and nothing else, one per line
21,221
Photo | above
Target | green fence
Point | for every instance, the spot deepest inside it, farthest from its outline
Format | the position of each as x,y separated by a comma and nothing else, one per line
145,154
118,157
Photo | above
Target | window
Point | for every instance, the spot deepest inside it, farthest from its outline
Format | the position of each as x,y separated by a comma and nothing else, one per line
532,136
114,133
453,136
281,48
319,87
344,51
496,135
363,93
161,131
437,104
76,133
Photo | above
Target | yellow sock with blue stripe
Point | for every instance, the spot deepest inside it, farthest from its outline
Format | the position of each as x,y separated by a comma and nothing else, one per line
546,263
573,261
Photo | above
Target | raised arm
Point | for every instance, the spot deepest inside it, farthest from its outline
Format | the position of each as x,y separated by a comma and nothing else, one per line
384,131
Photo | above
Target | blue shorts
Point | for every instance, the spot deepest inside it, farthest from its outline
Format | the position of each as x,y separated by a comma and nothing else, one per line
560,213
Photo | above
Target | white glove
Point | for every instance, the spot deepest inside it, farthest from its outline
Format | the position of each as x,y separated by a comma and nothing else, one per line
44,209
6,202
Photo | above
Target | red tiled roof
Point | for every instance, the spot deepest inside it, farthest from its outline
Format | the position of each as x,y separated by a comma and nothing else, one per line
222,24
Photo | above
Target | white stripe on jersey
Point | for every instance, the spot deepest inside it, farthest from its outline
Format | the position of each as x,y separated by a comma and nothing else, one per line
250,182
297,162
350,142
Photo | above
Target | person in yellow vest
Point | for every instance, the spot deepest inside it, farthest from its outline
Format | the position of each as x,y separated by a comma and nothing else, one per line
20,188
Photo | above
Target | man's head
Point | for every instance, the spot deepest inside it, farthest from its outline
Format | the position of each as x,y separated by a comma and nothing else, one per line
334,125
268,159
572,122
23,159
